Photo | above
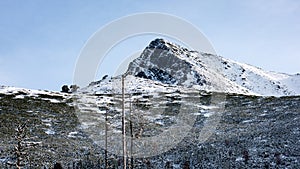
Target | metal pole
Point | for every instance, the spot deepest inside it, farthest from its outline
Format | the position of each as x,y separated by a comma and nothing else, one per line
106,127
123,123
131,134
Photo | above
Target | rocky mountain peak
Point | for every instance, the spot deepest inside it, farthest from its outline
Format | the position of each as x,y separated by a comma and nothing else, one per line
158,43
172,64
162,44
165,62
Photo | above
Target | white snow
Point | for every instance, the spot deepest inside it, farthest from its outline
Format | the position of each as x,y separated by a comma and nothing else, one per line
292,83
52,100
20,97
247,121
49,131
72,134
197,114
85,125
32,143
208,114
239,159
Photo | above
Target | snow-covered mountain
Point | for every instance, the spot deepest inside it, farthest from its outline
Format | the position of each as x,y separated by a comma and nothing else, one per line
164,66
163,85
167,67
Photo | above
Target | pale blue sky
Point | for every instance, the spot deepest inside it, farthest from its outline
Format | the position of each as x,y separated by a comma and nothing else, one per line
40,40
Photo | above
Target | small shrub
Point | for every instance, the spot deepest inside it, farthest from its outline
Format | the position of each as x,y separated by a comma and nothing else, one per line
65,89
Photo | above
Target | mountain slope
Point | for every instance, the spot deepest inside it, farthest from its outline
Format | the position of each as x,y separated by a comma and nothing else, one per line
255,132
171,64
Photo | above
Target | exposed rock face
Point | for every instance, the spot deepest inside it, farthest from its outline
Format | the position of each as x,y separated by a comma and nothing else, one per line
168,63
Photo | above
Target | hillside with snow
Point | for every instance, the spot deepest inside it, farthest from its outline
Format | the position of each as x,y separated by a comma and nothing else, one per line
182,109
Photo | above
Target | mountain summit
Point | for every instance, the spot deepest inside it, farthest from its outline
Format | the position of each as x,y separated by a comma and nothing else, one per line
163,63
